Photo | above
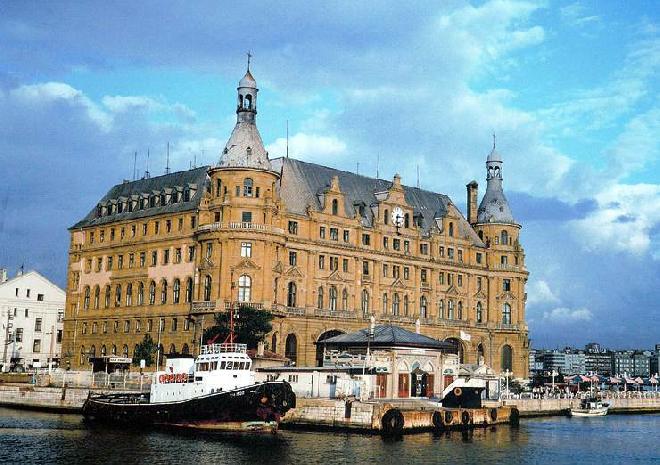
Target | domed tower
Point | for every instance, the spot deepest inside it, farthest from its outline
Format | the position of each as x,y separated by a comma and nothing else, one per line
242,204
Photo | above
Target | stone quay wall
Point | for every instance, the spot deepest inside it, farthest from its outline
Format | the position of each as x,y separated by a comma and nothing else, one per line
541,407
42,398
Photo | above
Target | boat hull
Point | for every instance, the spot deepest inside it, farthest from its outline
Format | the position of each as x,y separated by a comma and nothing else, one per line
252,408
601,412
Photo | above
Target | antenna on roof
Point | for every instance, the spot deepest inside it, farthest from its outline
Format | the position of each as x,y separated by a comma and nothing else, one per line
418,176
167,165
287,138
146,172
377,165
134,165
195,161
357,168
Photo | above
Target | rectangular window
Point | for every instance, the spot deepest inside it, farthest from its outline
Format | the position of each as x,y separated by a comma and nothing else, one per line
26,312
36,346
133,230
209,250
131,260
166,256
143,259
191,253
19,334
59,336
177,255
406,272
186,324
91,237
293,227
506,285
156,227
127,326
37,325
334,263
441,277
395,271
180,224
102,235
322,232
450,253
406,246
246,249
396,244
345,265
109,263
423,275
479,283
504,260
154,258
479,257
293,258
365,268
144,229
193,222
321,262
366,239
424,249
120,262
460,255
441,251
459,280
246,217
175,324
168,226
450,279
385,271
334,234
386,243
112,234
122,234
347,235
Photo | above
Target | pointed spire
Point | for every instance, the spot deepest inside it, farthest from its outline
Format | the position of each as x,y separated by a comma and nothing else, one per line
494,208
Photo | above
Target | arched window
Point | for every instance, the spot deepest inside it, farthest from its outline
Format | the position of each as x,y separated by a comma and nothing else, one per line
423,307
319,301
385,305
291,348
365,301
163,292
82,355
441,309
395,304
506,314
507,358
92,351
129,294
248,102
480,354
344,299
335,207
176,291
504,238
185,350
140,294
460,310
333,298
406,305
207,288
273,343
86,299
118,295
480,313
406,220
152,292
104,351
97,297
189,290
107,297
172,349
451,229
291,295
114,349
244,288
247,187
450,309
386,218
125,351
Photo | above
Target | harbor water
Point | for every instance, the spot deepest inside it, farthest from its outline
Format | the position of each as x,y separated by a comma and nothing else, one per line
33,437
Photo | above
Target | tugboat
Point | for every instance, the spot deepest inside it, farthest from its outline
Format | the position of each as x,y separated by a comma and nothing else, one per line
216,391
590,408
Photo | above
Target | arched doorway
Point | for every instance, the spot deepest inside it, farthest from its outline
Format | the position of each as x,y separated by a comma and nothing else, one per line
507,358
291,348
320,346
419,381
458,348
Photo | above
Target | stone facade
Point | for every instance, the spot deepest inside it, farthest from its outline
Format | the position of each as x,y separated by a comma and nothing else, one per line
322,249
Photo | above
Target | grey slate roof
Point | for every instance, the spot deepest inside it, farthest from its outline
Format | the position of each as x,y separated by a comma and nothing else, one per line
387,336
245,148
302,182
494,208
179,179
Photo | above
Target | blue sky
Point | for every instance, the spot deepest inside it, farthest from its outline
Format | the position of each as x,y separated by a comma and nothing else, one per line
570,88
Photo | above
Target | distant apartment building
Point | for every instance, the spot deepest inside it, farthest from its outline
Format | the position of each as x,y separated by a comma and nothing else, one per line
631,363
535,361
597,359
653,362
31,314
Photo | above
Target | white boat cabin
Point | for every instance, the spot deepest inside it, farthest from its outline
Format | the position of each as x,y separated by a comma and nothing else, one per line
219,367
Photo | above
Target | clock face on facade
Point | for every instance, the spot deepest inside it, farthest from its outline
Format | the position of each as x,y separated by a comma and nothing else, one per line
397,216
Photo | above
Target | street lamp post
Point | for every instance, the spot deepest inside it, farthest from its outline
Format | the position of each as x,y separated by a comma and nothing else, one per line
554,373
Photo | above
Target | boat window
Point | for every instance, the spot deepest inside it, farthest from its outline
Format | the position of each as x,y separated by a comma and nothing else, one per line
230,365
214,365
223,365
241,366
203,366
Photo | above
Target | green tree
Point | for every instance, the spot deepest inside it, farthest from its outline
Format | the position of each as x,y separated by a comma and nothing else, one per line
145,350
250,326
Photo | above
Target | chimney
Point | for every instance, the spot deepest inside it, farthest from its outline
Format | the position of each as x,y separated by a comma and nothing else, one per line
3,275
472,194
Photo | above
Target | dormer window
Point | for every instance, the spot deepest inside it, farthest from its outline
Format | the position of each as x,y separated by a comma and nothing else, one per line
120,207
335,207
152,201
406,220
387,216
451,230
186,195
163,200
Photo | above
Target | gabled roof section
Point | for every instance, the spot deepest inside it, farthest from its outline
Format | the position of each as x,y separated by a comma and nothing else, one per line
301,182
16,280
196,177
387,336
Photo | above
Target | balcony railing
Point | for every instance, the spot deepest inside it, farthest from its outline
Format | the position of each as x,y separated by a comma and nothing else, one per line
237,304
335,314
202,307
239,225
507,326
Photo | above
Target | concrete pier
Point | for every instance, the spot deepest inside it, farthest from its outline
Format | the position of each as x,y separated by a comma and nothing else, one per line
542,407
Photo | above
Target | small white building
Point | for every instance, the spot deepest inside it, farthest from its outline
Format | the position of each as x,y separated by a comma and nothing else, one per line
31,317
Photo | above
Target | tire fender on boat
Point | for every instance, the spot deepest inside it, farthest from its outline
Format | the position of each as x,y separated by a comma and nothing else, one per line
392,422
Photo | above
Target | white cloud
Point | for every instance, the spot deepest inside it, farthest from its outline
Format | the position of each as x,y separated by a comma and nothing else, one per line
576,14
121,103
566,315
539,292
623,221
311,147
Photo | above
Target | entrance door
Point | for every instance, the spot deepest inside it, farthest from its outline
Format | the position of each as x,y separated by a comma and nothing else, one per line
381,386
404,385
429,385
418,383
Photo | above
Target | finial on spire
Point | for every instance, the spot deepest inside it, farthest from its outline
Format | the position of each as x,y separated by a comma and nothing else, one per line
249,55
493,137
